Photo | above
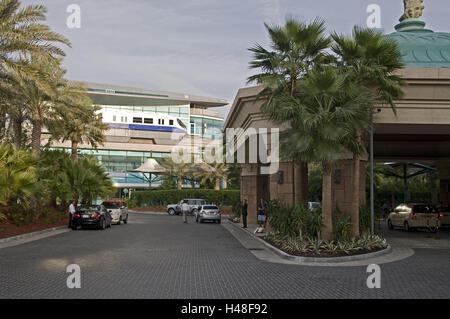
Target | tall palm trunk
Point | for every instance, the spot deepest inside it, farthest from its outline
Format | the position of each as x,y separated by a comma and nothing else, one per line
74,148
179,181
327,206
18,132
217,186
36,132
355,195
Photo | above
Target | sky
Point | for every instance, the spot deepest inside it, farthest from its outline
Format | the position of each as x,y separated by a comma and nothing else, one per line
197,46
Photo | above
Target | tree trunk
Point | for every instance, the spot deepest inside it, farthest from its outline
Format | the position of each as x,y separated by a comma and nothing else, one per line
327,205
18,132
355,195
179,181
74,151
36,133
217,186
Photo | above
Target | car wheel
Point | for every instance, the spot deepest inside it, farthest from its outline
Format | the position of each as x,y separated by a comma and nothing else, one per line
218,222
171,211
74,227
103,224
406,227
390,226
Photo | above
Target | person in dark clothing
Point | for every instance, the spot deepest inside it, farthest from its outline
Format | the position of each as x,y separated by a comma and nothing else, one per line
244,214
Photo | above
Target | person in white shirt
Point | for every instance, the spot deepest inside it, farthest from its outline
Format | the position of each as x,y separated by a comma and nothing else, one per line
185,211
71,212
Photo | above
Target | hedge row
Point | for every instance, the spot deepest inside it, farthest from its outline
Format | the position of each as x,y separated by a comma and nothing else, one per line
165,197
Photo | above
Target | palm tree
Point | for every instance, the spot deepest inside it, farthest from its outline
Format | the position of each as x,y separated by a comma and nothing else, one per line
295,48
325,112
39,95
178,170
371,60
213,172
86,179
76,119
17,176
21,34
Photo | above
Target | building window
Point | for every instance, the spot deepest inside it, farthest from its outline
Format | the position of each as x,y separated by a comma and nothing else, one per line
148,121
192,128
137,119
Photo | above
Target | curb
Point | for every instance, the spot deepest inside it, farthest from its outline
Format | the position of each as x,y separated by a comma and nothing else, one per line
300,259
28,235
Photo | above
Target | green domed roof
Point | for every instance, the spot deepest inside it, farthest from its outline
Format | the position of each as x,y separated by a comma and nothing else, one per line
422,48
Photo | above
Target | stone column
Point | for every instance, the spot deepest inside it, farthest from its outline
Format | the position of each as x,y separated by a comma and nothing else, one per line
249,190
342,186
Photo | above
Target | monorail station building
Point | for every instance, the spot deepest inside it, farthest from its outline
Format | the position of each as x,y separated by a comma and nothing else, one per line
418,134
147,124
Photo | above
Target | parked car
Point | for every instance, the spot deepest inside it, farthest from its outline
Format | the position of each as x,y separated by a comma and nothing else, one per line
444,215
314,205
208,212
118,210
96,216
413,216
194,206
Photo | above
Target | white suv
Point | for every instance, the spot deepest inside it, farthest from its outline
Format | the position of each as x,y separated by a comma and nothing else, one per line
118,210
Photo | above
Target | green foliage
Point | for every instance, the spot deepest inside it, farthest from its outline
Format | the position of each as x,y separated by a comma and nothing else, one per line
237,210
316,247
165,197
315,184
364,219
342,225
297,221
19,216
168,183
17,176
131,202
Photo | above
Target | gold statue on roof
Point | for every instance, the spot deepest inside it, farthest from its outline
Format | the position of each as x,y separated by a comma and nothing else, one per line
413,9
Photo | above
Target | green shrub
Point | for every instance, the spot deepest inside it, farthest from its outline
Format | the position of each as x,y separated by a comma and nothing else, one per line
237,210
165,197
313,246
131,202
18,216
297,221
364,219
342,225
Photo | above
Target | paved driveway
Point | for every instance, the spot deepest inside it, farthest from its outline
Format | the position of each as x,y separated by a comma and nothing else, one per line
157,256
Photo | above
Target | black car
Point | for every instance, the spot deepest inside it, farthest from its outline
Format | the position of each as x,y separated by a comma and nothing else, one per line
95,216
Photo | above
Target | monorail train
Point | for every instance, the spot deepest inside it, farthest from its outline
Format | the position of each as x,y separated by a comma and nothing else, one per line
144,121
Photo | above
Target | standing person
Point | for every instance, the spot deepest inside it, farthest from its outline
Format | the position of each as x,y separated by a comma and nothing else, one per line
261,216
185,211
71,212
244,213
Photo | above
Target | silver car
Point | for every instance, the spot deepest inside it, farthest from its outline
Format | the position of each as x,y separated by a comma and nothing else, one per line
208,212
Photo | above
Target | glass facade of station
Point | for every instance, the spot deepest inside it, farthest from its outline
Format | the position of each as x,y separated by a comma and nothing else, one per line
119,164
206,128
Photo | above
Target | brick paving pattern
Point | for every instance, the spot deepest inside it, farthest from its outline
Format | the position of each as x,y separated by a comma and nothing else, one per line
157,256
